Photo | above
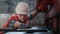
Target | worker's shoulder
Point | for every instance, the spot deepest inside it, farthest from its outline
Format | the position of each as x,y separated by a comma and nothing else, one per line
14,15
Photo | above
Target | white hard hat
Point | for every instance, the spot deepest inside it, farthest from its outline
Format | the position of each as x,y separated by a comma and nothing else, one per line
21,8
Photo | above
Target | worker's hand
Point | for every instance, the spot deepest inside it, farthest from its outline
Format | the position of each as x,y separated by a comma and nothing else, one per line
16,24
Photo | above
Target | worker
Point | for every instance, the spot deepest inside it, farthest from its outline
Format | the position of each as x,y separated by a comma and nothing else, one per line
21,18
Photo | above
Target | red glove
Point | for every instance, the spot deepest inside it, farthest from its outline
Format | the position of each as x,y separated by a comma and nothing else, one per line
42,5
38,4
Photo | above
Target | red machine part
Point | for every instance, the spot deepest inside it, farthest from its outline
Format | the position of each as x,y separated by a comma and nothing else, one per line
44,8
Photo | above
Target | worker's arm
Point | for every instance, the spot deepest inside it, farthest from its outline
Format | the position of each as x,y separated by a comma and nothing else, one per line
9,22
34,13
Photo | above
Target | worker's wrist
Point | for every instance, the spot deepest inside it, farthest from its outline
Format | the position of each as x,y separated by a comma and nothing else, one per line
38,10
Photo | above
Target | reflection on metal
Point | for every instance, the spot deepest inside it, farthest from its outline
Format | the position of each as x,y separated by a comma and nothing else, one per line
15,33
43,28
